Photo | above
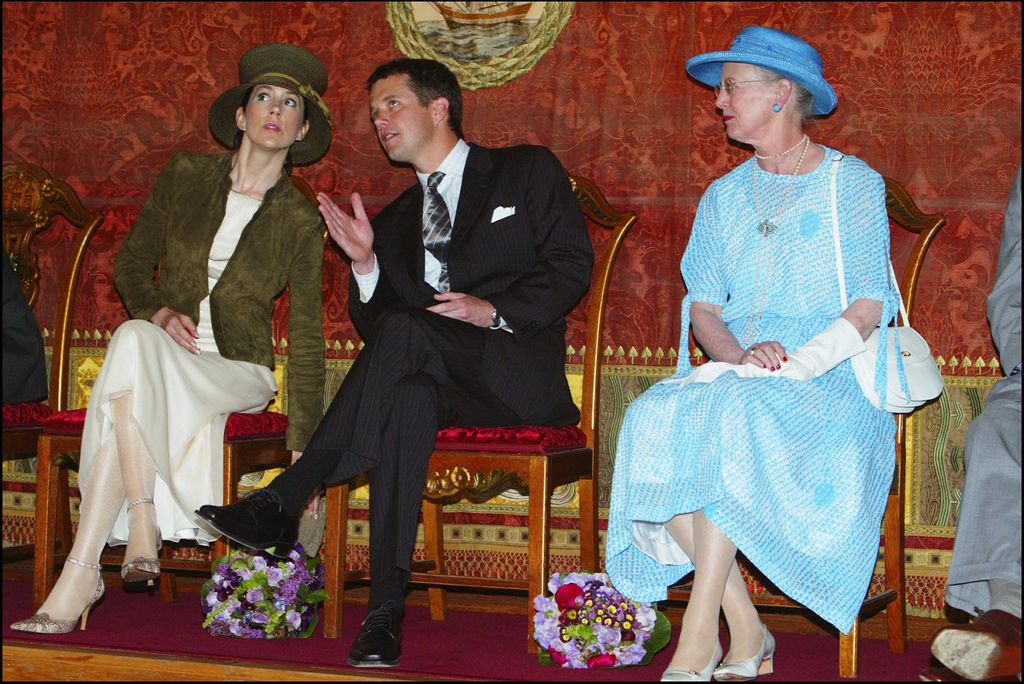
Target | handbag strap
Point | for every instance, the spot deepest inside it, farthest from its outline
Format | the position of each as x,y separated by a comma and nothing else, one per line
835,231
839,251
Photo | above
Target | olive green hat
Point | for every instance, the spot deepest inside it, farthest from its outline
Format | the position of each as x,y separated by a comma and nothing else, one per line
287,66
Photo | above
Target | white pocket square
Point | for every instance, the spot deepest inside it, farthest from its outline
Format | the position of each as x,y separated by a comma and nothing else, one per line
502,212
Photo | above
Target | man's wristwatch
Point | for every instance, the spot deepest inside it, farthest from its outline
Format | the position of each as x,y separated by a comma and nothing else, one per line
495,319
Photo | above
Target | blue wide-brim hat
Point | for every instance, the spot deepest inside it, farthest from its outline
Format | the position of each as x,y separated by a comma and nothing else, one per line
778,51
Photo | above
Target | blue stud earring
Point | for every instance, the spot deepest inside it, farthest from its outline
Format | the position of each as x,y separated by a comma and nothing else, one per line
776,107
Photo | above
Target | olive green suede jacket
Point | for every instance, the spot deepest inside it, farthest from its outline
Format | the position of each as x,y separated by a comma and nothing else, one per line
281,246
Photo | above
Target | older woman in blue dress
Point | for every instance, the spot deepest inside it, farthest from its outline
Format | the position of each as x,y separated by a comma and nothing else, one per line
772,449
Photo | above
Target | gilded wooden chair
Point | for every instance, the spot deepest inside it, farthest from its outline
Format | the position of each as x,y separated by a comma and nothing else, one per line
479,463
252,443
32,200
906,215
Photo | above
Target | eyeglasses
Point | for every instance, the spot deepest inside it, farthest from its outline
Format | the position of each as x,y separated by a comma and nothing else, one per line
730,86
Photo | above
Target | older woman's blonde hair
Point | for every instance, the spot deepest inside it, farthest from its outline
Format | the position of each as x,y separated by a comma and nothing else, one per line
804,99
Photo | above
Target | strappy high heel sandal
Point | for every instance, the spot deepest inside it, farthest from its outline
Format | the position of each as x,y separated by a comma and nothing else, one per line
142,569
41,623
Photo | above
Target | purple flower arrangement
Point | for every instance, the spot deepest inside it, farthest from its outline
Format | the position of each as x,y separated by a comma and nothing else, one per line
586,623
253,595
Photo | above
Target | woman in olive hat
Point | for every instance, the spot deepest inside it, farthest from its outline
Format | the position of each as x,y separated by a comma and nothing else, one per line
226,233
772,450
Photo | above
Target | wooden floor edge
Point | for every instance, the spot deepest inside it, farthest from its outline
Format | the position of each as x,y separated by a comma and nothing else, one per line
44,662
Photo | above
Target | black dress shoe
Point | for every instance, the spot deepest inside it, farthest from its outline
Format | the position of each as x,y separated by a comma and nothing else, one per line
379,642
258,522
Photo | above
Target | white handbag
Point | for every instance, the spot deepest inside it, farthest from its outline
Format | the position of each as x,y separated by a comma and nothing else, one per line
904,348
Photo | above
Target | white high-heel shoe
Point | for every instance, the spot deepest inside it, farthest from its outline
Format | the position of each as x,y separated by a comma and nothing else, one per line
692,675
762,662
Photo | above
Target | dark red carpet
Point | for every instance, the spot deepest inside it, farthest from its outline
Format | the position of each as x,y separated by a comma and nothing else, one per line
469,644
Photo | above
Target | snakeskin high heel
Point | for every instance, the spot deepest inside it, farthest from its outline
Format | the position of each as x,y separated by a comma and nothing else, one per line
142,569
41,623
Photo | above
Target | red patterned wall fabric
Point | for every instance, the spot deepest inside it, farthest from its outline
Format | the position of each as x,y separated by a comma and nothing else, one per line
103,94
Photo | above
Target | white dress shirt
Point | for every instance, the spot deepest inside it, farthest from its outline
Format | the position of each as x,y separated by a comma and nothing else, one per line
450,188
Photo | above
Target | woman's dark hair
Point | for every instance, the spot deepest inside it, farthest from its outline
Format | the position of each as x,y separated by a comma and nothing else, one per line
428,80
238,135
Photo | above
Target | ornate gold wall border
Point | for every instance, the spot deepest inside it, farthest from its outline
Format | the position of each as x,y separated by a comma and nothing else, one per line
935,432
936,436
617,358
623,381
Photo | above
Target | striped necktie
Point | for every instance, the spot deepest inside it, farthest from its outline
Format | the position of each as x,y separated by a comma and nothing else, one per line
437,227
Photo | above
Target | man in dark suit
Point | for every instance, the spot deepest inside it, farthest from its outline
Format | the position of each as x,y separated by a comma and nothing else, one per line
459,289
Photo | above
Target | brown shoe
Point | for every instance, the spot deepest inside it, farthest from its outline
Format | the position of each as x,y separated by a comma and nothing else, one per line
985,649
940,674
944,674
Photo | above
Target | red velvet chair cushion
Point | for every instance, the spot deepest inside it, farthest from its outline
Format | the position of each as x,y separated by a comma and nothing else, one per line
241,426
249,426
28,414
268,424
523,439
65,423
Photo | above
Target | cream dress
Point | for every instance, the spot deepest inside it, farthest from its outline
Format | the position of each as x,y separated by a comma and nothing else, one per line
180,402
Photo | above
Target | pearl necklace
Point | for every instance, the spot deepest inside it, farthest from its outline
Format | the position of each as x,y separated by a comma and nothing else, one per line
767,227
782,154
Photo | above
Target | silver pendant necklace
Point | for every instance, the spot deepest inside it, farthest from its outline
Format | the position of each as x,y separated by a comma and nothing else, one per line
765,257
766,226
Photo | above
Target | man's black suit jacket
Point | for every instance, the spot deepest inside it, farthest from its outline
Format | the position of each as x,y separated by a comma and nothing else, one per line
533,265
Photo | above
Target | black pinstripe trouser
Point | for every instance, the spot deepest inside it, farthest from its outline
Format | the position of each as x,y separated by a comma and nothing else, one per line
418,373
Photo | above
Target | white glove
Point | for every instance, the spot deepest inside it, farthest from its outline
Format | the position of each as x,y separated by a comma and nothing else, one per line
710,371
823,352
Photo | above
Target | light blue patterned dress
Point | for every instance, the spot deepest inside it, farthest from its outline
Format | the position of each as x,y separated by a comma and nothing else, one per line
795,473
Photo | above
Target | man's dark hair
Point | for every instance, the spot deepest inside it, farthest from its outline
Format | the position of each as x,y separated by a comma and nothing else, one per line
428,80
